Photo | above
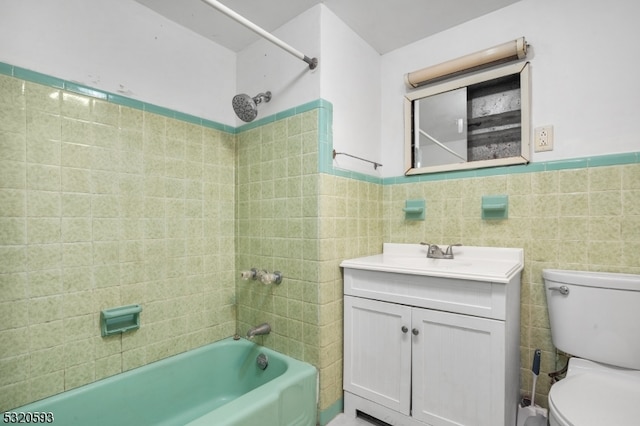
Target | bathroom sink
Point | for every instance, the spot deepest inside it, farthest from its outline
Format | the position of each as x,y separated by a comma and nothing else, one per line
491,264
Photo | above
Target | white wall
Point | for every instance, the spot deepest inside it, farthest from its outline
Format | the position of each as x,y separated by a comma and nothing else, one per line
351,82
121,47
348,76
263,66
584,79
582,55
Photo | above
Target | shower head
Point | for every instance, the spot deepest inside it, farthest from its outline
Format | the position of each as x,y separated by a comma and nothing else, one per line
246,107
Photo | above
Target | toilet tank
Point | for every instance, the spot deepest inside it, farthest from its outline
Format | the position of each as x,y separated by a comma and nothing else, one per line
595,315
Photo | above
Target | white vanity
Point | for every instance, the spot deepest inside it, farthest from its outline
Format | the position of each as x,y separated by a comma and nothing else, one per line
433,341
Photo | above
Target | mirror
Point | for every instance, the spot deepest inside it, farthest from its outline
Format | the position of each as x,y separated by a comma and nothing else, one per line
481,120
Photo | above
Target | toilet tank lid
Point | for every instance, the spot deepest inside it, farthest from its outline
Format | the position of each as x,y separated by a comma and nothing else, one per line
612,280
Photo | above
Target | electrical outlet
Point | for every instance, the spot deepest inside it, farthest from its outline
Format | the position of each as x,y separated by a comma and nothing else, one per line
543,138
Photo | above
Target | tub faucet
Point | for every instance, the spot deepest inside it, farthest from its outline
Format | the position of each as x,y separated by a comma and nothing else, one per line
258,330
435,252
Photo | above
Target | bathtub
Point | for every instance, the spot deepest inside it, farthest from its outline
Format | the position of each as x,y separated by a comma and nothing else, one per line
215,385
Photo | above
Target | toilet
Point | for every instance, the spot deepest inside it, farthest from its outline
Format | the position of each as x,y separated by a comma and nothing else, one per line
595,317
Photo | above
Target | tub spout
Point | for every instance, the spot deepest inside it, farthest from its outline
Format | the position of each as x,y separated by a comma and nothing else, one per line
261,329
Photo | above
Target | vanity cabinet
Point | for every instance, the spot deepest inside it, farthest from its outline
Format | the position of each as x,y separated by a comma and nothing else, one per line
431,350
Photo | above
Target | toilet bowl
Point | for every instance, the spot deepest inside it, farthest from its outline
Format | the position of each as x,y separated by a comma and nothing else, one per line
594,394
595,316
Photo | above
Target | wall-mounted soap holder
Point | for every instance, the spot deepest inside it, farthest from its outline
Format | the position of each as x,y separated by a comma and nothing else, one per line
414,209
495,207
120,319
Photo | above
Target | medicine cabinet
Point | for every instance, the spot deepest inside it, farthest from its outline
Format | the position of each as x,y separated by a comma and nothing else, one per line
480,120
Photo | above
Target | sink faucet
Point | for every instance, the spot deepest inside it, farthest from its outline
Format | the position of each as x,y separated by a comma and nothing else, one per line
435,252
258,330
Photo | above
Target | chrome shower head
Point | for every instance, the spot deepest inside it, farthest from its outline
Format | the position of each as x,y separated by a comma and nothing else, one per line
246,107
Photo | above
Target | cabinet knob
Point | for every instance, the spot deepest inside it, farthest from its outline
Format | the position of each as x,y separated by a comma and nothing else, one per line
415,331
404,329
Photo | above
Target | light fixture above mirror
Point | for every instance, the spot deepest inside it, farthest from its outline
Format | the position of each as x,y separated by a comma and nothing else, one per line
507,52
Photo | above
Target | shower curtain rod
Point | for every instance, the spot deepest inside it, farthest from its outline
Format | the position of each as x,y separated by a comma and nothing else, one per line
313,62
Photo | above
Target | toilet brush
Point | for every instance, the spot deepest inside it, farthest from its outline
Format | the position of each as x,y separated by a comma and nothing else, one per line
535,369
527,411
533,417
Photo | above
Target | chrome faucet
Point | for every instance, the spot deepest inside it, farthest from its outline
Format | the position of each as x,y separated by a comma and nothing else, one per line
435,252
258,330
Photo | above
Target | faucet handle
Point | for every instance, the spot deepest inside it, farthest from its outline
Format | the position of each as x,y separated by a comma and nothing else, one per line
430,248
449,249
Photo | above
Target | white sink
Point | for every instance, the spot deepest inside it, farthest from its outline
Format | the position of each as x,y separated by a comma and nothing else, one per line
491,264
425,263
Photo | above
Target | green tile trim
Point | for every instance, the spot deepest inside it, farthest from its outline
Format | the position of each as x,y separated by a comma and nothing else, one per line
354,175
572,163
255,124
614,160
36,77
325,140
325,136
155,109
85,91
47,80
187,117
124,101
6,69
218,126
281,115
328,414
577,163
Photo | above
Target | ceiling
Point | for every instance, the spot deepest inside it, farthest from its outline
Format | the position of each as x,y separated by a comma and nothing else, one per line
384,24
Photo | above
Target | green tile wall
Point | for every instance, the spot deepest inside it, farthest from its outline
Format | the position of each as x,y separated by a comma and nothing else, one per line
277,229
351,225
103,205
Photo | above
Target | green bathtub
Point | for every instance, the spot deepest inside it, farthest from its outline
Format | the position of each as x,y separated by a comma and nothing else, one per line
219,384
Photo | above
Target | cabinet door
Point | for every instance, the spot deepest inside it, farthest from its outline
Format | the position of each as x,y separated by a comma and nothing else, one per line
377,352
458,369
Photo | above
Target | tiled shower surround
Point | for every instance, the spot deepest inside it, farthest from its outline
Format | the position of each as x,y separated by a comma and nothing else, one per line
303,223
103,204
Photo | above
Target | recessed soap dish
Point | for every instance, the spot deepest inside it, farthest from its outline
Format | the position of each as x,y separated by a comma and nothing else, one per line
414,209
495,207
120,319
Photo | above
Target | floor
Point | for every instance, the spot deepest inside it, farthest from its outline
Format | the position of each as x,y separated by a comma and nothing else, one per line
342,420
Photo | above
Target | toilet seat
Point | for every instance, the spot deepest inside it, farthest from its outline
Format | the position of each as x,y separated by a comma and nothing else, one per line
596,397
